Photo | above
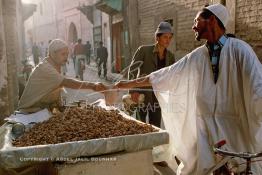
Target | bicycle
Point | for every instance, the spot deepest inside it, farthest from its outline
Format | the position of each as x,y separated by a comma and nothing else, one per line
243,155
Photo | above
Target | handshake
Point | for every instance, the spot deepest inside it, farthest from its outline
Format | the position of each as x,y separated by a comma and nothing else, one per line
130,101
103,88
136,83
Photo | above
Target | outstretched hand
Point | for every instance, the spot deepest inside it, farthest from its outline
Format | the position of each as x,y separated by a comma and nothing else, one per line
119,85
100,87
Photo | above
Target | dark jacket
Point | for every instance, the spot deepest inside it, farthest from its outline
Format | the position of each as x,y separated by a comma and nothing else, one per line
102,53
146,57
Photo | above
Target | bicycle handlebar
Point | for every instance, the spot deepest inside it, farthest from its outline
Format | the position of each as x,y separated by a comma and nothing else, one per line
244,155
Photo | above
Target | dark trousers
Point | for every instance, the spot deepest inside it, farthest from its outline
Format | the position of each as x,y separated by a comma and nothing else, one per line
154,114
102,63
88,59
74,61
36,59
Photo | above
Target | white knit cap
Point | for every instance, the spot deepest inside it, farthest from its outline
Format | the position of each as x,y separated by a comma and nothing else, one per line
220,12
56,44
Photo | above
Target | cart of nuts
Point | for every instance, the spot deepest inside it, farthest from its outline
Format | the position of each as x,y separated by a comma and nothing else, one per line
79,135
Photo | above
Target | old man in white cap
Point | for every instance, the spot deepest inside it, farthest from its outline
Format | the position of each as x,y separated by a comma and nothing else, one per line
211,94
46,82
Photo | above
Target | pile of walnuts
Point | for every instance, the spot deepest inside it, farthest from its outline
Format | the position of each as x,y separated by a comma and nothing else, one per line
76,124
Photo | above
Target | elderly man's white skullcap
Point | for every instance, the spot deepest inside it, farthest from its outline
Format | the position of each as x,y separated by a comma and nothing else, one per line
220,12
56,44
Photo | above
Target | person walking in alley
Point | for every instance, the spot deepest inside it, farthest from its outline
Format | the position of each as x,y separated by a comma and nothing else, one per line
152,57
36,53
71,52
213,93
102,55
46,50
46,82
80,58
88,52
42,50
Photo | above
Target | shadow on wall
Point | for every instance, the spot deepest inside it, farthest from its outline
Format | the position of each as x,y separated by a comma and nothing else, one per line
4,108
258,50
253,37
249,24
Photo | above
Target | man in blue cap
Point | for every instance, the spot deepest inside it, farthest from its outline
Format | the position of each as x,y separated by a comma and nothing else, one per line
147,59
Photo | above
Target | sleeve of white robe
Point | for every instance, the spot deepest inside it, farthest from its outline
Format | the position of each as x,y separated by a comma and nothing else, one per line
174,87
161,79
251,70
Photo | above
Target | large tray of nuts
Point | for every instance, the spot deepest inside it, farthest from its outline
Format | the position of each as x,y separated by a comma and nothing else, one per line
78,132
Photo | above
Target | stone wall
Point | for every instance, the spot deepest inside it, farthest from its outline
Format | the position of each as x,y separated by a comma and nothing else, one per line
249,23
54,20
245,22
4,105
10,53
186,12
181,12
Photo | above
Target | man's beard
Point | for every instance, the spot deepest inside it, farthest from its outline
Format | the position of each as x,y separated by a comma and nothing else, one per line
200,33
198,36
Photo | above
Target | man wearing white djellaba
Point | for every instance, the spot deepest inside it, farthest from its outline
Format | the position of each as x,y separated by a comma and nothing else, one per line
215,93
